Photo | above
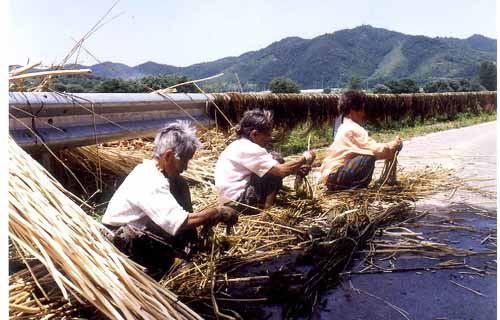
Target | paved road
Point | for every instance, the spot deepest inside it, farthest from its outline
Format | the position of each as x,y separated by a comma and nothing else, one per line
471,152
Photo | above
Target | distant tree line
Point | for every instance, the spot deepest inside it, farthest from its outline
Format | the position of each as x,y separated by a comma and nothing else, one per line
439,85
286,85
81,84
486,79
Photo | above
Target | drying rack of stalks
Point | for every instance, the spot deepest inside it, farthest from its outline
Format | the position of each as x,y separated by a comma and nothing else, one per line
292,109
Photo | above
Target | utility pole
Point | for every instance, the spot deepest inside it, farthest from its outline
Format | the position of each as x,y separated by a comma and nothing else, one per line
239,83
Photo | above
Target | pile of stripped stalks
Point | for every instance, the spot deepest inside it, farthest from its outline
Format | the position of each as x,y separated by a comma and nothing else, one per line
337,223
69,261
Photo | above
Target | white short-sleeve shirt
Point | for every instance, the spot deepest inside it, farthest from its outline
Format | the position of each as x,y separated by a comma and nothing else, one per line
235,165
145,194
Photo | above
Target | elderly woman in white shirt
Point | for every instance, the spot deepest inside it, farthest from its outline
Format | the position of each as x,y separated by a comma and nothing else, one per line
246,175
151,212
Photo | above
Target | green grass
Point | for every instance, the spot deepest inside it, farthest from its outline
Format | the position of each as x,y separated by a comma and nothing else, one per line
297,140
429,126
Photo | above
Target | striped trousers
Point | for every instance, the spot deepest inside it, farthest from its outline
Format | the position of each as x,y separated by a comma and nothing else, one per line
356,173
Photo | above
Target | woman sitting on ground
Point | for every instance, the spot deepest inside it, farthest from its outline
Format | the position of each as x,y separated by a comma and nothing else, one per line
246,174
351,157
151,212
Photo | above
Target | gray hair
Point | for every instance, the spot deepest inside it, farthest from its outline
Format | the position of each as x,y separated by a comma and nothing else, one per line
255,119
178,136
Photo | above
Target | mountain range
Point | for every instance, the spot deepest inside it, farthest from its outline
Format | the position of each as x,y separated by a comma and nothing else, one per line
373,54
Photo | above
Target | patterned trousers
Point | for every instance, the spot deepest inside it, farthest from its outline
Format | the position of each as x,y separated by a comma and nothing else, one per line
356,173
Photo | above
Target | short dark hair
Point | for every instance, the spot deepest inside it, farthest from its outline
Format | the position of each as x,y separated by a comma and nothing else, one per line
352,100
255,119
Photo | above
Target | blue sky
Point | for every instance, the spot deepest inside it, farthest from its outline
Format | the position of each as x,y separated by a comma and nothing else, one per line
181,33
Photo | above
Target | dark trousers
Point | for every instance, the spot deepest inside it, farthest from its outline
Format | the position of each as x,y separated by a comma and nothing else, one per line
151,246
256,192
356,173
153,252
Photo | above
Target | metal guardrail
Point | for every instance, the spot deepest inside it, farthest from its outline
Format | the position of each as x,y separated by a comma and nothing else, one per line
69,120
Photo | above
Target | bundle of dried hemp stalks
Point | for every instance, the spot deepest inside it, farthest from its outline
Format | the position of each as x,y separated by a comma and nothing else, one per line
45,224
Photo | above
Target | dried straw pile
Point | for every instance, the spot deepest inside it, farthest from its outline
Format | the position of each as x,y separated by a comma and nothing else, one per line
338,224
47,225
335,225
292,109
26,299
117,159
329,228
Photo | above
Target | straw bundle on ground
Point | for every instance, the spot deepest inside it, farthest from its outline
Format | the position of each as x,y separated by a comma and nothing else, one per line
46,225
224,273
292,109
293,225
26,299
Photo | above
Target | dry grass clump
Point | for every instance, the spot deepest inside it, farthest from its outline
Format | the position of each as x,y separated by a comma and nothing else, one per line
119,158
339,223
293,225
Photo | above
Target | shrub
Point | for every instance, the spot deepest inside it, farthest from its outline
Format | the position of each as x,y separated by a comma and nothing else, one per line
448,85
354,83
283,85
402,86
488,75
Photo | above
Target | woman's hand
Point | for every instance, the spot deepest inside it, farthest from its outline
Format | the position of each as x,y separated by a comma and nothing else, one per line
398,143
